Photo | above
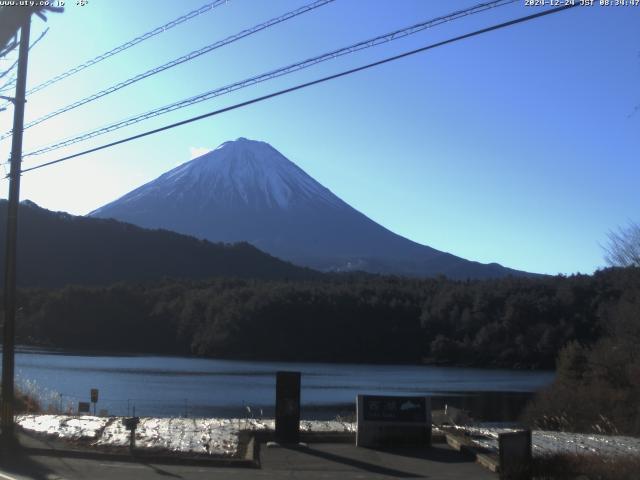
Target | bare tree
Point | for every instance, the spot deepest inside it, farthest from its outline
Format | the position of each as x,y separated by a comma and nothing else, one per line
623,247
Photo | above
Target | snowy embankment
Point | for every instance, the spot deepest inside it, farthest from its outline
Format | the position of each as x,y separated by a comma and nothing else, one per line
221,436
547,442
213,436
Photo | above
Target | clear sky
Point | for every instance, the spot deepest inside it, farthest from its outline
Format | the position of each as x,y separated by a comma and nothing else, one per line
518,147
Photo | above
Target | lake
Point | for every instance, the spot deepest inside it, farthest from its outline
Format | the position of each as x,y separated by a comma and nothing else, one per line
178,386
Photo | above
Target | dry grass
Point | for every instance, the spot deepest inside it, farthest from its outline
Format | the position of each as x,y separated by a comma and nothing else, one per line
591,467
26,403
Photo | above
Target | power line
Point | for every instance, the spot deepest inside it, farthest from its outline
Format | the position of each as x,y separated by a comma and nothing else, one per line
8,48
7,86
307,84
114,51
13,65
185,58
274,74
12,81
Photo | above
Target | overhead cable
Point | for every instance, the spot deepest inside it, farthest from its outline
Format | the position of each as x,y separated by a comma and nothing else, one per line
272,74
304,85
120,48
13,65
12,80
184,58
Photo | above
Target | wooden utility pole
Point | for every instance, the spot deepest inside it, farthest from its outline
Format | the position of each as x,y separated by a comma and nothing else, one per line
8,351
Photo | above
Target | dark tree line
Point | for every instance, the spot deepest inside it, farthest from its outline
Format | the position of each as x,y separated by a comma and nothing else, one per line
511,322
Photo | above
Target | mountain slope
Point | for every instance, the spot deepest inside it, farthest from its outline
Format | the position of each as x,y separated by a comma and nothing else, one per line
56,248
248,191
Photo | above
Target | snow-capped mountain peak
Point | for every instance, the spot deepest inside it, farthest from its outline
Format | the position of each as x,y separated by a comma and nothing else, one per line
242,170
246,190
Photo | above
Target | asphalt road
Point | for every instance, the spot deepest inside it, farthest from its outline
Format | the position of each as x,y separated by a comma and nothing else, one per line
319,461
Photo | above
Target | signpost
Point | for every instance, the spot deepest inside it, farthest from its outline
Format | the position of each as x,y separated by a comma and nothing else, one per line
131,424
393,421
83,407
288,407
94,398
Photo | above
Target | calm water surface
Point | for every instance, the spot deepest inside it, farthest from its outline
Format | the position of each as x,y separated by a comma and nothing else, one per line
175,386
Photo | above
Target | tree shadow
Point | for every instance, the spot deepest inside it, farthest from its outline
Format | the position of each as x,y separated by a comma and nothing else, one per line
160,471
352,462
15,459
438,454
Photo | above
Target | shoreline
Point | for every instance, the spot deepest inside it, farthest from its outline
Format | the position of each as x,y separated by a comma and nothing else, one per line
47,350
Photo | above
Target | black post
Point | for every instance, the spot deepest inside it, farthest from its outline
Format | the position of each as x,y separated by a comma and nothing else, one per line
8,352
288,407
515,454
131,424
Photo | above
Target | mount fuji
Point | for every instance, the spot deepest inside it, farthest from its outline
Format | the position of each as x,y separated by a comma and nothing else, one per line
246,190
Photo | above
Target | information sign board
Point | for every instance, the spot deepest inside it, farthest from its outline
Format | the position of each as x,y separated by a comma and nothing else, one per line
391,421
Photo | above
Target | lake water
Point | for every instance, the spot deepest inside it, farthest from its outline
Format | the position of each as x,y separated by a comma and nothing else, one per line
177,386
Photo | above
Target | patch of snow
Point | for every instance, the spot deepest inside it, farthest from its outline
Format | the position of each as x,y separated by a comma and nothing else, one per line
188,435
64,426
213,436
328,426
246,171
548,442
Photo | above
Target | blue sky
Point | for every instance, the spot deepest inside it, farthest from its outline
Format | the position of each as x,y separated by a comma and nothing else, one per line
518,147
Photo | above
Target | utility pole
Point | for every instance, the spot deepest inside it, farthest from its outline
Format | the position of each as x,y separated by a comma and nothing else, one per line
8,351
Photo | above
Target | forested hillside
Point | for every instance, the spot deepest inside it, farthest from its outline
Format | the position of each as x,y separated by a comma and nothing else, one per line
56,249
511,322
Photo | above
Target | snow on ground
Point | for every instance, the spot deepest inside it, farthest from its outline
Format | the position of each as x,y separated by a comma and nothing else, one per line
63,426
214,436
193,435
220,436
547,442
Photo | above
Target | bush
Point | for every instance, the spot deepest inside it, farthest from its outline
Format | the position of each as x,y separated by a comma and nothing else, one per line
26,403
597,389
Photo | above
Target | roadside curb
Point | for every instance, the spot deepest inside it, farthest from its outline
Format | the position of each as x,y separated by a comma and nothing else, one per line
248,451
247,462
482,456
246,458
248,455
